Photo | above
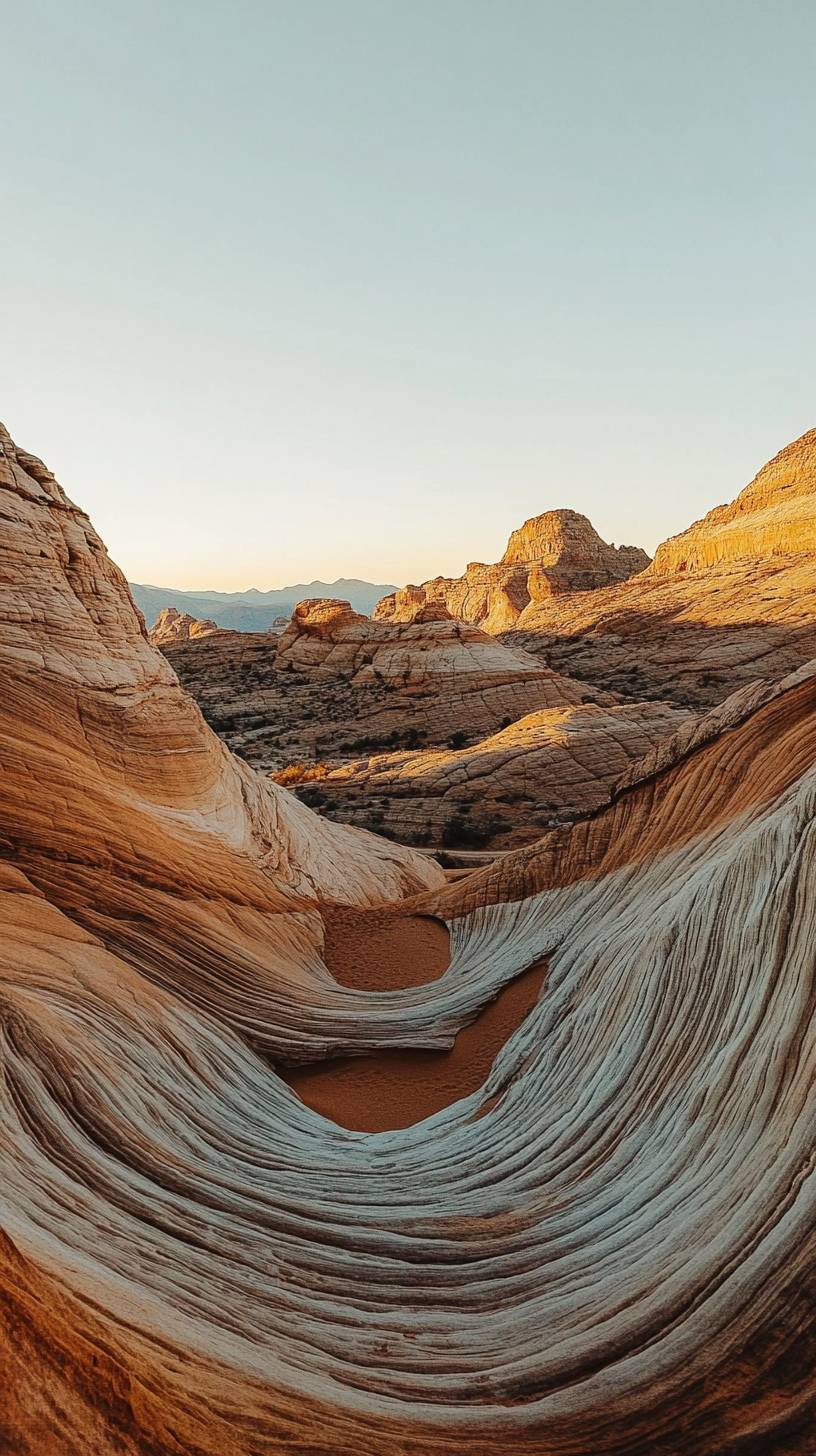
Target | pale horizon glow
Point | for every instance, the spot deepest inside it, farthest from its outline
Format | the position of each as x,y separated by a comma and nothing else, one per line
301,291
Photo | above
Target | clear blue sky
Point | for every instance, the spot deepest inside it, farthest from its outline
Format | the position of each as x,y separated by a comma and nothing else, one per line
319,287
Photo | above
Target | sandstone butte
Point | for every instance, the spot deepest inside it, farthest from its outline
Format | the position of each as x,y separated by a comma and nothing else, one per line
566,1204
559,551
730,600
171,625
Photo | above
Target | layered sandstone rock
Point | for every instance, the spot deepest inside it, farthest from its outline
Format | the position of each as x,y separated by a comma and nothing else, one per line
171,625
336,683
603,1245
730,600
504,790
559,551
773,516
131,769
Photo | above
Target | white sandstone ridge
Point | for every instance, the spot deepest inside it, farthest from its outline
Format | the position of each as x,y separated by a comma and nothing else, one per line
551,554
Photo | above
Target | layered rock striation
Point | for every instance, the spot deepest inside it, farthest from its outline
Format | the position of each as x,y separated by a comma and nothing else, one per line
504,790
336,683
171,625
604,1246
559,551
726,602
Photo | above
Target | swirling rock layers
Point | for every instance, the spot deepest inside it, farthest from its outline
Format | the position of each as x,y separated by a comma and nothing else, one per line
608,1246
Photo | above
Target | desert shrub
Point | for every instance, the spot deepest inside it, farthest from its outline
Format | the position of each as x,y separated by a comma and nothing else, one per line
458,739
460,834
300,773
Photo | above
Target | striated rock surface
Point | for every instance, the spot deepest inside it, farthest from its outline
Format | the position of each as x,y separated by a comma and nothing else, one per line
730,600
596,1237
134,777
504,790
172,625
335,684
773,516
559,551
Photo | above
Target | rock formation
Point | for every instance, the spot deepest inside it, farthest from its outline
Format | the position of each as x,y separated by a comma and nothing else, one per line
726,602
773,516
171,625
504,790
559,551
604,1246
335,683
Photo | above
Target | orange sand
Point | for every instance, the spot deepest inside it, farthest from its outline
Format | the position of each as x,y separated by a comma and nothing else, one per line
384,950
397,1088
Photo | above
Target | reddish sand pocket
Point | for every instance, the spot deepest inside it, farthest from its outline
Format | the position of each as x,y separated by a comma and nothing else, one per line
384,950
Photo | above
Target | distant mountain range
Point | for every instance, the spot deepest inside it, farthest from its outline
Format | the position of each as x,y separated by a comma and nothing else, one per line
253,610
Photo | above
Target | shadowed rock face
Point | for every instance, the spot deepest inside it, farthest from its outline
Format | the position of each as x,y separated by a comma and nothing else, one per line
559,551
605,1248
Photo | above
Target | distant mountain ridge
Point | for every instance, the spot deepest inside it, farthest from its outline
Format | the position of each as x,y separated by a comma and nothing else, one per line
253,610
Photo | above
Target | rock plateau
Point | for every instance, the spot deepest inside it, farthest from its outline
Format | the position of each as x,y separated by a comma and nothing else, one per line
731,599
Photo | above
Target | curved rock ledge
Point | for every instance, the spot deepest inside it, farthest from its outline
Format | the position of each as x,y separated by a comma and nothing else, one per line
609,1246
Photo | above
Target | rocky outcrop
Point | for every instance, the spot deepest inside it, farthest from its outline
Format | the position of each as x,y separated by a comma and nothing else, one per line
559,551
596,1237
172,625
129,774
336,684
773,516
726,602
507,789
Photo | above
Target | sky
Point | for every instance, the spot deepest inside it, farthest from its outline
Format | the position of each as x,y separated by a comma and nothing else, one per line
316,288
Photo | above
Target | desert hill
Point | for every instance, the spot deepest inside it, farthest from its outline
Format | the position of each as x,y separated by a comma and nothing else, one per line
335,682
731,599
503,790
559,551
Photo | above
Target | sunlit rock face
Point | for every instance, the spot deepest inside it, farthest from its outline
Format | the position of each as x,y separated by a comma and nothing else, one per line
559,551
774,515
171,625
335,683
730,600
605,1246
502,790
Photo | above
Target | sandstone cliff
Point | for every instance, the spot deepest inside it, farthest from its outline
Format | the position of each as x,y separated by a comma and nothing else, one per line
171,625
600,1244
726,602
559,551
773,516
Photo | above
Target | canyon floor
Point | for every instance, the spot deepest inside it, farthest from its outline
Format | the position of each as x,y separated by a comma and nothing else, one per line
308,1146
